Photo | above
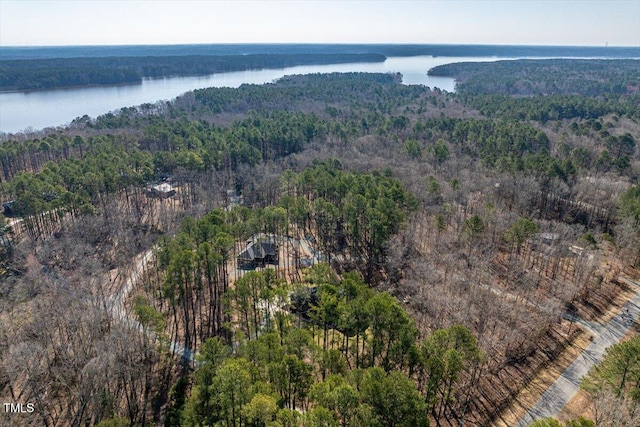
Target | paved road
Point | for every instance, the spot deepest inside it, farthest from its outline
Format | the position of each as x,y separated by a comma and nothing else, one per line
116,304
567,385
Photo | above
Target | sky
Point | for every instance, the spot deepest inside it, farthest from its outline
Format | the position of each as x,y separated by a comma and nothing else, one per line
513,22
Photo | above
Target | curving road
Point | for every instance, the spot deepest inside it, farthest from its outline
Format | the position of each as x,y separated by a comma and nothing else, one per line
116,303
554,399
119,311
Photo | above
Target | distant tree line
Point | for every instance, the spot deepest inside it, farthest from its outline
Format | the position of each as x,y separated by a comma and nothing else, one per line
526,77
33,74
547,90
31,52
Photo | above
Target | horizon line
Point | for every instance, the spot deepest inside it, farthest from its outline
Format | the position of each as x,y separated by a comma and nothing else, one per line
606,45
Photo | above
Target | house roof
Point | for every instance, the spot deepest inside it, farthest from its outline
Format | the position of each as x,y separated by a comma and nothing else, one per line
549,236
162,188
258,250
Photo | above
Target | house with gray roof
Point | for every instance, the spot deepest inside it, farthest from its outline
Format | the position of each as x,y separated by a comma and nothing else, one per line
258,254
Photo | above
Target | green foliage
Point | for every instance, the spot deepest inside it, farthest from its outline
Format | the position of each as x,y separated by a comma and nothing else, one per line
552,422
508,146
580,422
348,355
337,396
371,397
589,239
261,411
148,316
440,151
367,92
193,264
113,422
6,243
393,398
629,204
60,72
622,146
433,186
111,164
177,400
288,417
321,417
199,146
292,379
446,354
366,384
589,78
619,371
246,299
233,389
413,149
629,218
354,213
552,107
521,231
547,422
393,333
474,226
201,408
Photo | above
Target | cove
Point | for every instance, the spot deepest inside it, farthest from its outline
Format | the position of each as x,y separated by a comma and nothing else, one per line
31,111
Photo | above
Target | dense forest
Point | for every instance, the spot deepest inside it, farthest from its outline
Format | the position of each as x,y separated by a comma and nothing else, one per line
325,250
526,77
37,68
47,73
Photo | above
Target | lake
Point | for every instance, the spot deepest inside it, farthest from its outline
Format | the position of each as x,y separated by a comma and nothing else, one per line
36,110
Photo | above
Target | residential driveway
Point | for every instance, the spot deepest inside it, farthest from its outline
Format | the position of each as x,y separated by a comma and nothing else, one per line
567,385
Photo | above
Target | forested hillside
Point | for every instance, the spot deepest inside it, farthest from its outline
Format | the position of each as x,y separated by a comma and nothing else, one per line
325,250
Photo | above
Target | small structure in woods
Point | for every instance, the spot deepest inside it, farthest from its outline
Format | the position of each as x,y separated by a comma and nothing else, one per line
232,199
161,191
549,238
258,254
9,208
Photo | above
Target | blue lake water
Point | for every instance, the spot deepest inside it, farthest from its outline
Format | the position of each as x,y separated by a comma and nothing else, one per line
20,111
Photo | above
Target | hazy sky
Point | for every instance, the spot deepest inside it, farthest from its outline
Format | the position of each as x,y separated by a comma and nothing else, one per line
550,22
